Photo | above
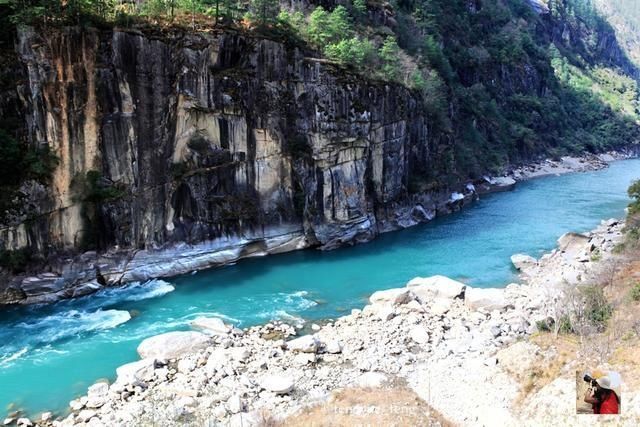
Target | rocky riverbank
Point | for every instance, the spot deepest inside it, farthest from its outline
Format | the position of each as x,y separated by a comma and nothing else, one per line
462,349
76,276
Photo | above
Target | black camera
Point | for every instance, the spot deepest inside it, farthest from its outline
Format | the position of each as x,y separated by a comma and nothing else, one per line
587,378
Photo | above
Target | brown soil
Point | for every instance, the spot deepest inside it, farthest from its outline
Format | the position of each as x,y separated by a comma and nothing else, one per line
353,407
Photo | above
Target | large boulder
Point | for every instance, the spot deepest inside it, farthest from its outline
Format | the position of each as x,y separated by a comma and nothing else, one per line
488,299
419,334
571,244
142,370
304,344
97,395
172,345
430,288
333,346
391,296
523,262
277,384
211,325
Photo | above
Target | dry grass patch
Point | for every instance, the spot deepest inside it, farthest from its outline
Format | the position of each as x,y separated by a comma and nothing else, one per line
555,353
353,407
618,345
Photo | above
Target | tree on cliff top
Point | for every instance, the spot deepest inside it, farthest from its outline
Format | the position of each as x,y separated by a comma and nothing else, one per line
264,11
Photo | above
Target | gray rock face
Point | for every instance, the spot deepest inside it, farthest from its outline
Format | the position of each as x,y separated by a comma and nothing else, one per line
218,145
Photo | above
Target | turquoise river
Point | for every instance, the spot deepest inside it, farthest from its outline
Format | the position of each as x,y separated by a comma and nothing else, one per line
50,354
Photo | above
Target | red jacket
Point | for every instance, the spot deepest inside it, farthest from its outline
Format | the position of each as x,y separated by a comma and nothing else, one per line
610,404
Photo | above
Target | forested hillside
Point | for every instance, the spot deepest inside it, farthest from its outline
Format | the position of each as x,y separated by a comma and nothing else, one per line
624,15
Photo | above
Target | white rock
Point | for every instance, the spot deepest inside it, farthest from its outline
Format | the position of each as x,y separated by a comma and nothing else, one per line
217,360
419,334
391,296
385,312
8,421
97,395
76,405
304,344
455,197
371,379
522,262
277,384
485,298
211,325
429,288
46,416
95,422
240,354
440,306
503,181
172,345
234,404
333,346
142,370
414,306
25,422
220,412
315,327
86,414
186,365
302,359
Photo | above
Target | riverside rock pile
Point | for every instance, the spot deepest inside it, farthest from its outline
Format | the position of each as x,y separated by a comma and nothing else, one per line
227,375
452,343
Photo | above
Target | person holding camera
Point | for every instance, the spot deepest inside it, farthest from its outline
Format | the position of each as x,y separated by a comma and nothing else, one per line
601,396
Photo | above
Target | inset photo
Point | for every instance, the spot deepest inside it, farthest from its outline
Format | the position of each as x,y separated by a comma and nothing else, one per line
598,392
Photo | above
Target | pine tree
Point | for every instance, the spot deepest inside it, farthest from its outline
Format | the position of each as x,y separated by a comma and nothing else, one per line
390,56
264,11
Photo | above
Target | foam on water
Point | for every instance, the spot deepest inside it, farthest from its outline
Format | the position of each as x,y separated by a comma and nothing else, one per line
151,289
6,360
66,324
134,291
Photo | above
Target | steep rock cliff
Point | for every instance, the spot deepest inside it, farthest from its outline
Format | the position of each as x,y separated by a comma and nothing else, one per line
218,141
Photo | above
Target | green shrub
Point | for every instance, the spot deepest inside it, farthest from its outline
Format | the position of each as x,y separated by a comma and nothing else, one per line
597,309
564,325
634,193
353,51
635,292
94,188
543,325
390,56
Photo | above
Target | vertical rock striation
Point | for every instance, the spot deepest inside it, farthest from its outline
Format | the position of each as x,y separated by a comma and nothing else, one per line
221,141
